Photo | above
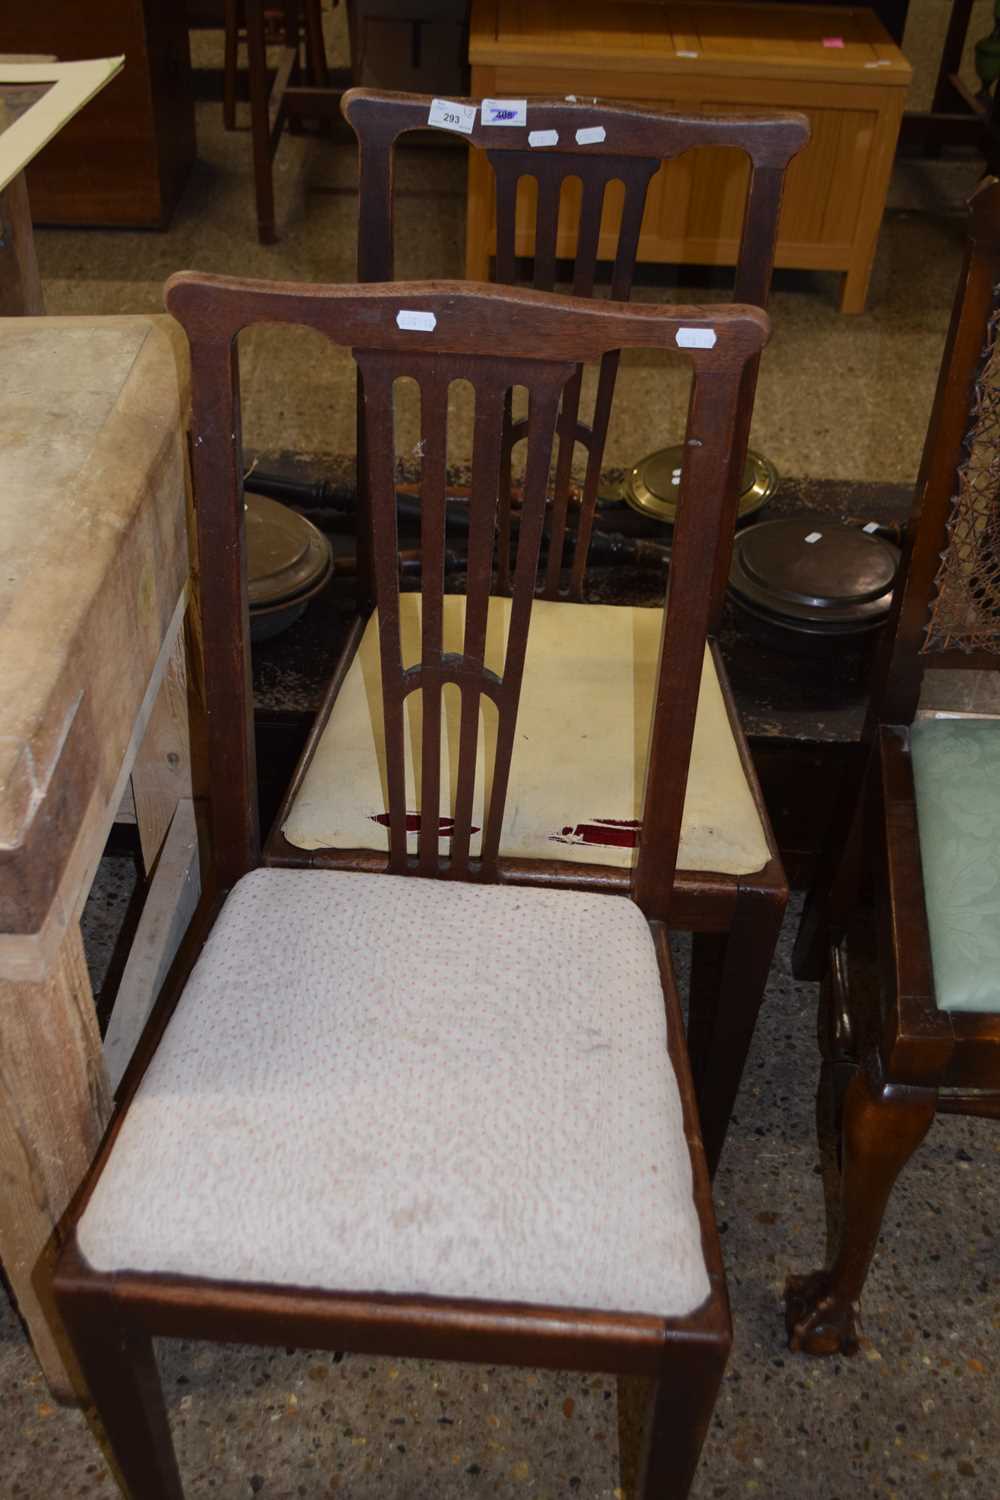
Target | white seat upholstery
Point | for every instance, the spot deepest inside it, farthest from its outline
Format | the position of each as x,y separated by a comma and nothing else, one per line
578,767
381,1083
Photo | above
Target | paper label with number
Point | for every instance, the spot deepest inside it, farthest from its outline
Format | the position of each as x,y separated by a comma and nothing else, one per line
445,114
505,111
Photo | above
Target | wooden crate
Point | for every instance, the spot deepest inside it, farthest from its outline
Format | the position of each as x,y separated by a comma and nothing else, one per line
839,66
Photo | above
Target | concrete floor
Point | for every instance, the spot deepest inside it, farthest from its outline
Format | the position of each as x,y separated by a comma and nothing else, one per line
913,1417
916,1415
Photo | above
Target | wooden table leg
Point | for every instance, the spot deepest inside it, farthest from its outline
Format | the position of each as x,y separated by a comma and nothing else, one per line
54,1105
20,283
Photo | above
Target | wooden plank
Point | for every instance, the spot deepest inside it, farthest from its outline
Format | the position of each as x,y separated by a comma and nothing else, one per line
54,1105
173,895
738,41
161,774
30,955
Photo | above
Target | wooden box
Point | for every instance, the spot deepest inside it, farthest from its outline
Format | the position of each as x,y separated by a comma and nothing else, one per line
839,66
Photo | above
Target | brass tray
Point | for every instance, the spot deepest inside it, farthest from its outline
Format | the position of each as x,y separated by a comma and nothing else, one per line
651,487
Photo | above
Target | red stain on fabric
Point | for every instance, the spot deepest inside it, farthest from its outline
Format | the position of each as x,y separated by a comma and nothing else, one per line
619,833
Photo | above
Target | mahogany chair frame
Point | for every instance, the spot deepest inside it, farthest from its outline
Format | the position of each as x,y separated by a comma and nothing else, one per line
891,1058
112,1318
735,920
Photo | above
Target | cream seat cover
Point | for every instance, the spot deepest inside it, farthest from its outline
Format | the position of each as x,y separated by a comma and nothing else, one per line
579,757
376,1083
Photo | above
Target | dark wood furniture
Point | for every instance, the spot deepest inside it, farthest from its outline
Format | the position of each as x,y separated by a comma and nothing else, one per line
303,86
434,333
735,917
125,159
896,1048
957,116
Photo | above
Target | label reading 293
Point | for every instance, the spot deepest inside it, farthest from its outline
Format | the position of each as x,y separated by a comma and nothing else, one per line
444,114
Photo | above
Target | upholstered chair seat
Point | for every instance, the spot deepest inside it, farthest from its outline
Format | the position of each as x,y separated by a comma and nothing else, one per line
956,772
578,767
384,1084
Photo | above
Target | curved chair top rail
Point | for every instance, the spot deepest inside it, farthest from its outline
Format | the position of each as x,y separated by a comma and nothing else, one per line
769,137
458,317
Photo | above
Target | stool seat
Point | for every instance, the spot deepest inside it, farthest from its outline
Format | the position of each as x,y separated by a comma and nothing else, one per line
578,767
956,772
376,1083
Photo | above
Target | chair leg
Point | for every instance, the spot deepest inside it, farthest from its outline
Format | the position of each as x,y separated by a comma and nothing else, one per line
260,122
678,1416
312,17
230,64
728,977
119,1367
883,1125
835,889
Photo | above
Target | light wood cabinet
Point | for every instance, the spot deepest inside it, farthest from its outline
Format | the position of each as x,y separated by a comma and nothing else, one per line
838,66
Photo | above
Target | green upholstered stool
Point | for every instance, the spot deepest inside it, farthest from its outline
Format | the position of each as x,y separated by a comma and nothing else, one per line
956,771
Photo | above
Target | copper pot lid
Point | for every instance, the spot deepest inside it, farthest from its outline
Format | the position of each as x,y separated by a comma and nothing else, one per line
816,572
653,485
288,558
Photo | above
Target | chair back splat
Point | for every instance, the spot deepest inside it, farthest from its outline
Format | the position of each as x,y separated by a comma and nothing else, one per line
496,338
623,144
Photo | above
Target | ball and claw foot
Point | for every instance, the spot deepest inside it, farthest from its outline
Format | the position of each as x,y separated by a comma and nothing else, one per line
816,1321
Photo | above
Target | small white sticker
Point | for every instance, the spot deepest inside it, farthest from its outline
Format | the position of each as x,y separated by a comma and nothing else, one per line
814,536
504,111
688,54
423,322
883,62
543,137
872,526
590,135
570,98
695,338
444,114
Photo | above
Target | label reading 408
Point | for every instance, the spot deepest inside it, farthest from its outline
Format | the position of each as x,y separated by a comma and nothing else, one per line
445,114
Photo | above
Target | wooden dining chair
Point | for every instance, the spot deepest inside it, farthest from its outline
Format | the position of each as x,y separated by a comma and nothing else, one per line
600,662
424,1112
910,1007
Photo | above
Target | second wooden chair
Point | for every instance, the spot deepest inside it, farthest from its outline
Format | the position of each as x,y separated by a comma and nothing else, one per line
595,683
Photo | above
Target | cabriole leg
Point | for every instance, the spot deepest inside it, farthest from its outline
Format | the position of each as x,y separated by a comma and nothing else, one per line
883,1125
